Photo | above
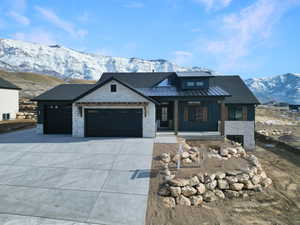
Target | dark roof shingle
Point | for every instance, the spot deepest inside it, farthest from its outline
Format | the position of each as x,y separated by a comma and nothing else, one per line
64,92
7,85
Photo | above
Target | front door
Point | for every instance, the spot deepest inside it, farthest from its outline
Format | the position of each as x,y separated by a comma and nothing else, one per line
164,122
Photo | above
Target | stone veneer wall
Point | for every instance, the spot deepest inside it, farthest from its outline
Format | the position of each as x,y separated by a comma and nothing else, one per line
39,128
123,94
245,128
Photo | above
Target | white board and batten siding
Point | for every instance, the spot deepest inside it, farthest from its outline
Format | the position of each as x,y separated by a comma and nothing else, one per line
123,94
9,102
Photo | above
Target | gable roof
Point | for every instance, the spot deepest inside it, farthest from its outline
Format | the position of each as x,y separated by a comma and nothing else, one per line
100,84
8,85
64,92
138,80
240,93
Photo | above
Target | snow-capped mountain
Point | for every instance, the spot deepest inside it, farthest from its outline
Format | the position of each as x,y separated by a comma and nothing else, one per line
281,88
67,63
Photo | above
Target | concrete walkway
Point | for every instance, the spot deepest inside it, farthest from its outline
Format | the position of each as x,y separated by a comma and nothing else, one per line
57,179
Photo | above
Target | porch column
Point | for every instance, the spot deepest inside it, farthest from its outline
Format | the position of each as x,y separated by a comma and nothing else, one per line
176,117
223,114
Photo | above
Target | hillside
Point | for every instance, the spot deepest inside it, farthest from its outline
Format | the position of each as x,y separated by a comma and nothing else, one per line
33,84
67,63
280,88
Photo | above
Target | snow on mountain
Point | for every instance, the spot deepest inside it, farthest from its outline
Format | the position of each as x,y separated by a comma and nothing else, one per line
19,56
280,88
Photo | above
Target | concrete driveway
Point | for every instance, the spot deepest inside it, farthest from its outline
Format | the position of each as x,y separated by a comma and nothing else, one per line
57,179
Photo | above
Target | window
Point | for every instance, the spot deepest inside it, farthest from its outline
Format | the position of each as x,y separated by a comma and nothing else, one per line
164,83
195,113
113,88
5,116
199,83
235,112
190,83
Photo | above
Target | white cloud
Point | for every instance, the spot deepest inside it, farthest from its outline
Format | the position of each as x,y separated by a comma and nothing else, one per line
37,36
181,57
240,33
19,18
214,4
134,4
68,27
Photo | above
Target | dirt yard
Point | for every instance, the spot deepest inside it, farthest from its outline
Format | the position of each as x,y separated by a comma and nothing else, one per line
13,125
277,205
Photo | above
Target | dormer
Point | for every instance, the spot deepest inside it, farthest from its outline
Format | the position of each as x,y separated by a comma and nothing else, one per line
194,80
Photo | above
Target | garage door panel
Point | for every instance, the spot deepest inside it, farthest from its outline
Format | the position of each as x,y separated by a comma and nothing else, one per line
113,122
58,119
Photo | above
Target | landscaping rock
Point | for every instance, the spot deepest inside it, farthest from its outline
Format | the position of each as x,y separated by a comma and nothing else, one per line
233,172
212,185
236,186
188,191
194,157
200,188
249,185
232,151
223,152
266,182
185,155
220,175
187,161
209,196
209,178
182,200
169,202
219,194
200,177
176,158
242,178
194,181
165,157
223,184
256,179
196,200
231,179
164,191
232,194
175,191
178,182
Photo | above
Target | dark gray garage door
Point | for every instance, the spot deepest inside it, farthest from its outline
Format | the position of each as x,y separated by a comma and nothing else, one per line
58,119
113,122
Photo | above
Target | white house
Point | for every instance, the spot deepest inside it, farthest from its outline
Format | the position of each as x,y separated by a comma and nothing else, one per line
9,100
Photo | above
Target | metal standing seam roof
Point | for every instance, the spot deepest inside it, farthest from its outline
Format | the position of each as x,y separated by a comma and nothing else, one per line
8,85
173,91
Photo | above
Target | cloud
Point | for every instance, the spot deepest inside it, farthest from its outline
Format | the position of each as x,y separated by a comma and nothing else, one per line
214,4
37,36
181,57
240,33
68,27
134,4
19,18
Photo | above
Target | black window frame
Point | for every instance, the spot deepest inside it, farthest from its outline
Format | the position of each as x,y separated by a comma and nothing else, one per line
113,88
235,112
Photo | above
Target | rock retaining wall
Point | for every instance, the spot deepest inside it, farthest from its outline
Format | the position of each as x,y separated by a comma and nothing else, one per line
199,188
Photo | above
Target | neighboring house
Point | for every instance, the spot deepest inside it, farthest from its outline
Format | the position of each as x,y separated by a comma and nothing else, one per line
139,104
9,100
294,107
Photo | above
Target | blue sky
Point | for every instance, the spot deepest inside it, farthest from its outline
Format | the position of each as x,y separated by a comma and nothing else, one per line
252,38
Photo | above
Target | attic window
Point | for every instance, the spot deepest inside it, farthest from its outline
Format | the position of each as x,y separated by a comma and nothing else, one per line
113,88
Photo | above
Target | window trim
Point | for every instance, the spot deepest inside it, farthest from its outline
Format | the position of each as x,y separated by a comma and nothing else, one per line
113,88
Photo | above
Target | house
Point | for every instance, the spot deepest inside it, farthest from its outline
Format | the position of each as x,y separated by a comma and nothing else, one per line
139,104
9,100
294,107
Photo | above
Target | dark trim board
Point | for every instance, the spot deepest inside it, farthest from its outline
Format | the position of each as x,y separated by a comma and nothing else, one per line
113,122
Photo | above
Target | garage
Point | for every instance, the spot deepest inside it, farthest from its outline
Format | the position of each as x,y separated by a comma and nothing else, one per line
113,122
58,119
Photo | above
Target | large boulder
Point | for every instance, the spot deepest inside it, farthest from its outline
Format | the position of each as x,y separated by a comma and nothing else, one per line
231,179
219,193
200,177
256,179
196,200
242,178
175,191
209,196
182,200
169,202
236,186
185,155
200,188
212,185
266,182
249,185
193,181
178,182
188,191
187,161
220,175
223,184
165,157
224,152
